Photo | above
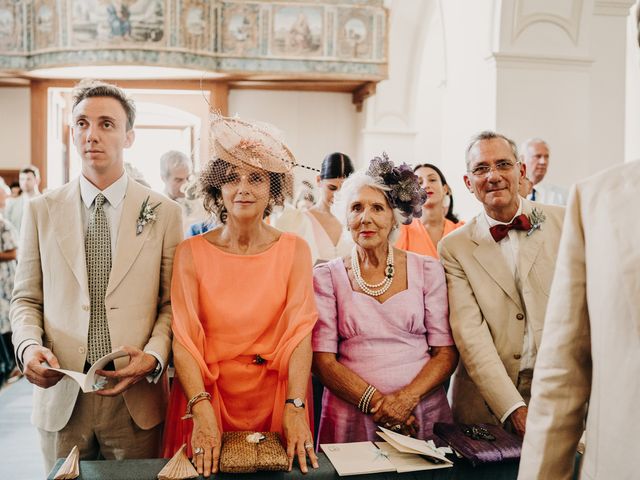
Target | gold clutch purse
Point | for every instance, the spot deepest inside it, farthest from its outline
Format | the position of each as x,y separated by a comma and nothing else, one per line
248,452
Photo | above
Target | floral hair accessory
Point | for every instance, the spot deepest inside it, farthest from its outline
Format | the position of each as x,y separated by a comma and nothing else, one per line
404,192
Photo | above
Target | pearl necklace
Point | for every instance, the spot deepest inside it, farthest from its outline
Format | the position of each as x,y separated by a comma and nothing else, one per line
370,289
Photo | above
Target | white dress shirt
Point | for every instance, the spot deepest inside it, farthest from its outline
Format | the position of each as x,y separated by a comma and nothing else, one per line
549,194
509,246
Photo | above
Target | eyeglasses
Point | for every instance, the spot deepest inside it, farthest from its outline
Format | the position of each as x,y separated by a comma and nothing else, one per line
503,166
477,433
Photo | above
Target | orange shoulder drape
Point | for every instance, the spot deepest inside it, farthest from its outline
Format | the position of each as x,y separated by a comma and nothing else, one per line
414,237
229,308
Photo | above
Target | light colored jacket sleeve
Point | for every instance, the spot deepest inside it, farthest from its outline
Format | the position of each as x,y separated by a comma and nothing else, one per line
473,338
26,311
562,381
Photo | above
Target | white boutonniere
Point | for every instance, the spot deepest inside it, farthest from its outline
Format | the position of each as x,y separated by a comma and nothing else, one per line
536,219
147,214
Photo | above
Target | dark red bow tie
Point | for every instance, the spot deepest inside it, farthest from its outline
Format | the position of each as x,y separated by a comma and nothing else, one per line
521,222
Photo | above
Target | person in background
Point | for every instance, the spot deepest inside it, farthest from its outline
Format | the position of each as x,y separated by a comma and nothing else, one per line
15,189
382,345
324,233
29,180
175,171
438,220
499,269
534,153
8,250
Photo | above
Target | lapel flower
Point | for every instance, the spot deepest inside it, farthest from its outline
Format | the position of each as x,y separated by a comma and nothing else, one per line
147,214
536,218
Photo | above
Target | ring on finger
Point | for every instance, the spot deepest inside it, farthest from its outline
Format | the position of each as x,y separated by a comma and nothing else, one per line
308,445
396,427
387,425
198,451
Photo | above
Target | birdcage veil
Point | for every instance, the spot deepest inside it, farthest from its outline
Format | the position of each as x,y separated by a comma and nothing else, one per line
250,154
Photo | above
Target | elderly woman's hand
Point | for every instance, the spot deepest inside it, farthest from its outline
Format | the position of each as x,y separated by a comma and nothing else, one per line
395,409
205,439
298,437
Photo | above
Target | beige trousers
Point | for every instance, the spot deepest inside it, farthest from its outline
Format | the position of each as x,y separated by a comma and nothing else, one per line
101,427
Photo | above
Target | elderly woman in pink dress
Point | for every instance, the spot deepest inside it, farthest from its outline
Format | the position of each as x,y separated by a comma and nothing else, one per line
382,344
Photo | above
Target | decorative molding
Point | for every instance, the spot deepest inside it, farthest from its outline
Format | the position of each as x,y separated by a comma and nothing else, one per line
527,61
614,8
342,39
571,24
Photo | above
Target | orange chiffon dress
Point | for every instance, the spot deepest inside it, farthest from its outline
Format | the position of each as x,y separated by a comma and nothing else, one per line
415,238
227,310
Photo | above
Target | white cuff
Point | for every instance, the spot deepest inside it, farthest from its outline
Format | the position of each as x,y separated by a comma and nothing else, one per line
511,410
21,348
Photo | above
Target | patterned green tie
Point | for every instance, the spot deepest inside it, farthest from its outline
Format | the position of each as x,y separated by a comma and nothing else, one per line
98,251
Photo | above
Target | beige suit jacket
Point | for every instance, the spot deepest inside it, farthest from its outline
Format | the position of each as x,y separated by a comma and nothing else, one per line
51,299
590,351
487,312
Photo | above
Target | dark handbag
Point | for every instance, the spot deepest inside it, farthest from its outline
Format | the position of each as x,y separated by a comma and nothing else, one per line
239,455
480,443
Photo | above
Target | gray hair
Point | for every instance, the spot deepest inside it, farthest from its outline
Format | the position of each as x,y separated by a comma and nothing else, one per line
490,135
170,160
524,146
350,189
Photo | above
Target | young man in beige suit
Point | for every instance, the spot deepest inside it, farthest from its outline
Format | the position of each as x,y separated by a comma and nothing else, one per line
499,268
94,276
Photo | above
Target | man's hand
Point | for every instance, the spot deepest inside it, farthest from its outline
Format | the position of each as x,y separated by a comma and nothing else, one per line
518,419
140,365
33,356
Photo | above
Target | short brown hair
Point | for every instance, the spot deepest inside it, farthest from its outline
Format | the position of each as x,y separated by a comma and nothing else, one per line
35,171
96,88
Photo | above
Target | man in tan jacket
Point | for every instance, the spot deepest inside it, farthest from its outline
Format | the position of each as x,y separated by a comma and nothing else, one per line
590,352
499,268
94,276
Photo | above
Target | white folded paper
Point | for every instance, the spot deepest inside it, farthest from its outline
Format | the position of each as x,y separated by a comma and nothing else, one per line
91,381
357,458
406,444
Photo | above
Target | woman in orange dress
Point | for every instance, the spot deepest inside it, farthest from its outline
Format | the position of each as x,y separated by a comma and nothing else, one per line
243,308
423,234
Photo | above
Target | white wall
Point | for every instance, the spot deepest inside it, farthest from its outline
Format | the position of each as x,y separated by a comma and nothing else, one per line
15,127
313,124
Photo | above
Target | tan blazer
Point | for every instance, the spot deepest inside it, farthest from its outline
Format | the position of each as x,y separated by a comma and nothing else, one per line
487,314
590,351
51,299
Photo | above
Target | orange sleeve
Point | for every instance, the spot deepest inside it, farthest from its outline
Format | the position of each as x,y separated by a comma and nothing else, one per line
300,313
186,324
403,238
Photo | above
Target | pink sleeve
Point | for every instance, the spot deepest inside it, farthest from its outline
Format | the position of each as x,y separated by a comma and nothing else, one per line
436,304
325,333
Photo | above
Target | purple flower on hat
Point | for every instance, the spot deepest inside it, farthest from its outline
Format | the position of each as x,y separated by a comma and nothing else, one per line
405,192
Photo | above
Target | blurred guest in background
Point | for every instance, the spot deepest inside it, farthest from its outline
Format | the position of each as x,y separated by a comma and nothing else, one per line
534,153
176,170
8,249
29,180
437,220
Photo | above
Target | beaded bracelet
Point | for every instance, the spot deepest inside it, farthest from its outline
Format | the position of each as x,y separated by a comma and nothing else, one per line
195,399
365,399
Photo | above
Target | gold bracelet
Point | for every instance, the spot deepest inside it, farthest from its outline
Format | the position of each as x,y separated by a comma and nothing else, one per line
195,399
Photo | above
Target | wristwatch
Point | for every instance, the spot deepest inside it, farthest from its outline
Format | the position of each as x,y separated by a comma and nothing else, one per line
296,402
156,371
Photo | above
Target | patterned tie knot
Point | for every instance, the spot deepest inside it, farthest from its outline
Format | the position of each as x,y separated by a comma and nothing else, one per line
100,199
